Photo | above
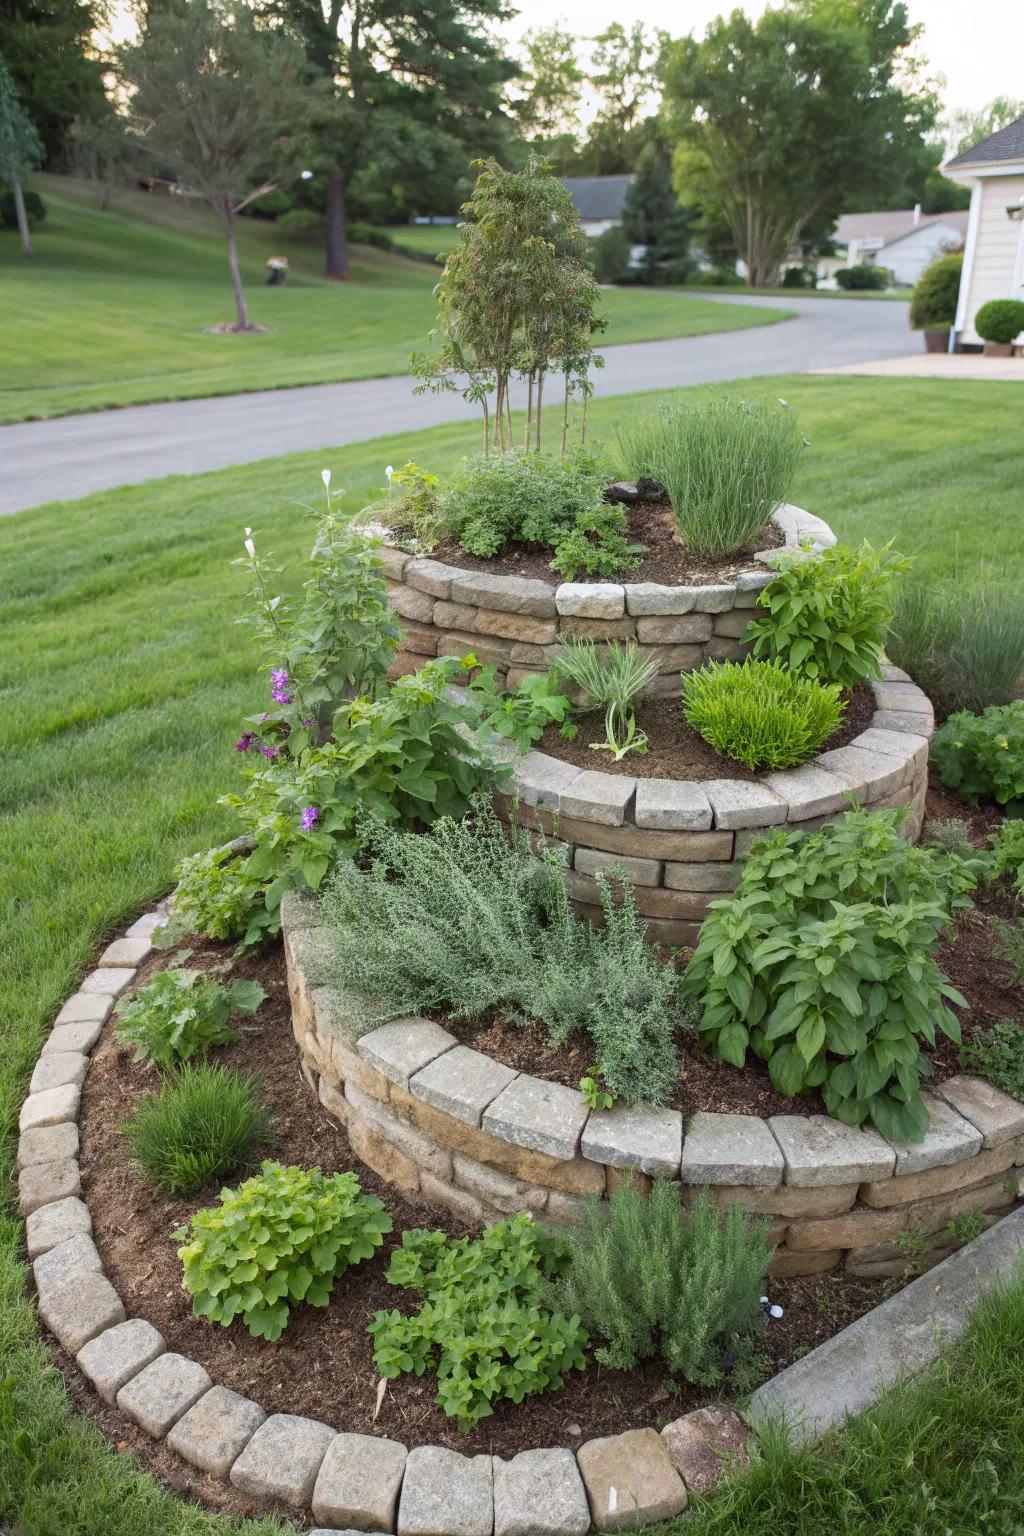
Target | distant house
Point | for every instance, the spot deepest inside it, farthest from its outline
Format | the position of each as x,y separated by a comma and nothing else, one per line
994,254
902,240
598,200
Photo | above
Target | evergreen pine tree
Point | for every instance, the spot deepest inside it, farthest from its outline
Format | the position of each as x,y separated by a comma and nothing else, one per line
653,217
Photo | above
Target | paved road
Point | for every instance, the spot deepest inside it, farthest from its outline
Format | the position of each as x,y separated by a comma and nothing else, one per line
54,460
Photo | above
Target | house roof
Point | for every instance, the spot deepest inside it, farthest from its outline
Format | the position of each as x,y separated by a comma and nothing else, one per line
597,197
1007,144
891,224
956,220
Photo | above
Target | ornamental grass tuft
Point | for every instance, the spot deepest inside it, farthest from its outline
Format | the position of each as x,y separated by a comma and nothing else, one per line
759,714
205,1123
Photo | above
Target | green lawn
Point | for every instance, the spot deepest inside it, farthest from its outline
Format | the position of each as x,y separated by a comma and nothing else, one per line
123,679
113,307
434,239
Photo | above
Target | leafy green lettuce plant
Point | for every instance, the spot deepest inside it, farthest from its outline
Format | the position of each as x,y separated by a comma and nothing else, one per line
759,714
982,756
823,963
828,615
482,1324
280,1238
181,1014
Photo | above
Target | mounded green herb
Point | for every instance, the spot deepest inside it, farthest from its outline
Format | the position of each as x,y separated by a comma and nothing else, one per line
759,714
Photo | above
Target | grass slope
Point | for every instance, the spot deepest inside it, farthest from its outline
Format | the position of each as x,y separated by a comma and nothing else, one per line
123,680
113,307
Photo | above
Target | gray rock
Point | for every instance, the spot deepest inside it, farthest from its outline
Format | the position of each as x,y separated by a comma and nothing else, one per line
48,1144
405,1046
108,980
511,594
635,1136
738,804
706,1446
429,576
64,1038
165,1389
998,1117
43,1183
540,780
82,1307
131,950
630,1480
904,720
949,1139
542,1116
462,1082
717,599
497,1189
86,1008
283,1458
540,1493
903,696
445,1494
648,598
809,791
674,629
908,746
115,1356
59,1264
592,861
730,1149
58,1069
590,600
215,1430
359,1483
600,797
50,1107
716,878
148,923
868,774
821,1151
53,1224
670,805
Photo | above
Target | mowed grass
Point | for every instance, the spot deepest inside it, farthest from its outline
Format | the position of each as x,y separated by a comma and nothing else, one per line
123,678
114,309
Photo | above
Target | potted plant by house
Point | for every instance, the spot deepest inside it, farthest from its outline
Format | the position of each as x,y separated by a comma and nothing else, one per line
933,303
999,323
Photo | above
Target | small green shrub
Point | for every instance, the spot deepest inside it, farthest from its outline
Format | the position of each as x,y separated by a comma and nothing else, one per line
1000,320
951,836
520,715
205,1123
611,676
610,255
997,1053
759,714
35,208
650,1280
862,278
727,465
300,224
1008,853
482,1325
217,896
823,963
282,1237
829,617
181,1014
413,507
1008,945
936,292
962,640
982,756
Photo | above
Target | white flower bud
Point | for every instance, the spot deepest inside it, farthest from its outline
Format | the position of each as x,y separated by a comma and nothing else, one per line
250,549
325,476
389,472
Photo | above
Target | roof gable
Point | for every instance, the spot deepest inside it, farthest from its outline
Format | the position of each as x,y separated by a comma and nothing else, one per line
597,197
1007,144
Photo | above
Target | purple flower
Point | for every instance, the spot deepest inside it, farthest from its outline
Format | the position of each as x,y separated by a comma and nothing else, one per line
245,741
279,686
269,751
309,818
307,723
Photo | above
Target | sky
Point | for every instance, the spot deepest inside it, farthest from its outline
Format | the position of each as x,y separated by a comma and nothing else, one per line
978,45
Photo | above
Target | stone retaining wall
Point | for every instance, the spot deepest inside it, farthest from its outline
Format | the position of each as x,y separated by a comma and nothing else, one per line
451,1125
515,624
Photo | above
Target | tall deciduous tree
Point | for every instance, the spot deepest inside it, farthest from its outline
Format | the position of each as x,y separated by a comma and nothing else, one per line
21,150
382,64
780,121
964,129
549,101
623,75
52,59
218,100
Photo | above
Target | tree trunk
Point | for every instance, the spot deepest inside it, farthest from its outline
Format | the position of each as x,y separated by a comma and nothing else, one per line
22,216
540,405
241,313
337,229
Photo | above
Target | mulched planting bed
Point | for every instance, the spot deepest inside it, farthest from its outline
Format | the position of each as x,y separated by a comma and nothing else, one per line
674,748
666,558
322,1366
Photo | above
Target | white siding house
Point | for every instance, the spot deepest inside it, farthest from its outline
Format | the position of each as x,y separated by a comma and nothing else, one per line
901,240
598,200
994,254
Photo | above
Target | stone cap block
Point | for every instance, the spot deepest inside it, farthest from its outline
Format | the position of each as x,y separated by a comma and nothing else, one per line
164,1390
48,1144
462,1082
541,1116
950,1138
540,1493
998,1117
809,791
445,1494
730,1149
55,1223
215,1430
129,951
707,1445
819,1150
108,980
86,1007
283,1458
671,805
635,1136
404,1047
868,774
75,1256
595,796
736,803
512,594
630,1480
147,924
430,576
80,1036
904,720
116,1355
43,1183
650,599
82,1307
908,746
50,1107
540,780
715,599
590,600
58,1068
359,1481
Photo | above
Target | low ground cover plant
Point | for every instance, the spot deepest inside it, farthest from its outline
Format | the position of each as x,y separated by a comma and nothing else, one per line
648,1279
466,920
962,640
181,1014
982,756
612,676
726,463
205,1123
518,715
829,617
760,714
280,1238
1008,945
823,963
1008,853
997,1053
483,1324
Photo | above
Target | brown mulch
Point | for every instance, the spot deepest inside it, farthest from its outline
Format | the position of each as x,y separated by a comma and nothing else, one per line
665,559
674,748
322,1366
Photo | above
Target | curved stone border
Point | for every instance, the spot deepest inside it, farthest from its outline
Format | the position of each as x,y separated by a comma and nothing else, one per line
515,623
365,1482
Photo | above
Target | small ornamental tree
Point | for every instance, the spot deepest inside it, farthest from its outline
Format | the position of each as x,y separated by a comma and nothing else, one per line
517,299
219,101
20,150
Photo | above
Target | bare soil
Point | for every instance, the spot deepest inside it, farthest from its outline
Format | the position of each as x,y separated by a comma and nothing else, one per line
674,748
